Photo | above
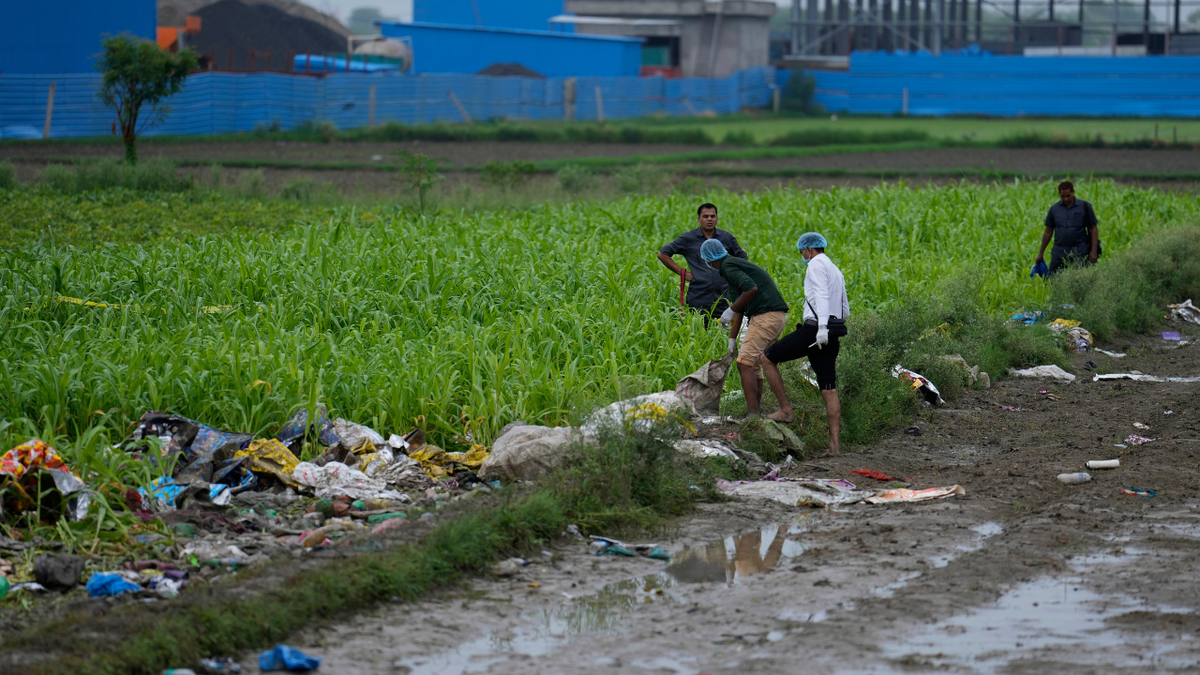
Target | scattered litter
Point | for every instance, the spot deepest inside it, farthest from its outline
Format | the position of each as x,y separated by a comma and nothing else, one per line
973,374
641,412
1185,311
1052,397
287,658
1089,365
20,478
336,478
1139,425
1063,325
914,430
706,448
1120,445
929,392
1115,355
821,492
658,554
782,434
4,585
1168,412
102,584
867,473
1140,492
510,567
1010,408
1074,478
1171,335
1051,371
1104,464
220,666
701,391
1139,377
907,495
271,457
525,451
1028,318
616,549
1134,439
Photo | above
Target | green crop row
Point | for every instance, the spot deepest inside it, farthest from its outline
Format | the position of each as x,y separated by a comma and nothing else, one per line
462,321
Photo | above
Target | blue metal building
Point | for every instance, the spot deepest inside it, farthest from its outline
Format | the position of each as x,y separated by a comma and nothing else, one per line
519,14
439,48
63,37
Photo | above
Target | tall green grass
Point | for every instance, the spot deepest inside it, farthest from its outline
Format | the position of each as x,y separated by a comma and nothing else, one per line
1128,292
460,321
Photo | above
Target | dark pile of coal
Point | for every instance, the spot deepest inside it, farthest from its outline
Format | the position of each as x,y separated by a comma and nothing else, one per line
263,28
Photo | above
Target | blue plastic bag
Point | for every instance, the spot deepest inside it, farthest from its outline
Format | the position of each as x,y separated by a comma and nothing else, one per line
283,657
104,585
1039,269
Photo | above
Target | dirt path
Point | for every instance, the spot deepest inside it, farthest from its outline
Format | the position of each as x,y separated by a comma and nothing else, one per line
1020,575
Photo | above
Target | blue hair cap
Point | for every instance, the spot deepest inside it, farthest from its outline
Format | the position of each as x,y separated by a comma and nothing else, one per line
712,249
810,240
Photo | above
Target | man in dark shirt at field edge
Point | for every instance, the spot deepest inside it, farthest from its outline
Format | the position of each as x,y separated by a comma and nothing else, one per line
1076,233
706,289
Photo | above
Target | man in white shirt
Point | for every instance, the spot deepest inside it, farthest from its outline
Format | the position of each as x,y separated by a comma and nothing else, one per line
824,299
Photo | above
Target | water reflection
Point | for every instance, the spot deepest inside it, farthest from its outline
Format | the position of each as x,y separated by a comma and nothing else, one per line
737,556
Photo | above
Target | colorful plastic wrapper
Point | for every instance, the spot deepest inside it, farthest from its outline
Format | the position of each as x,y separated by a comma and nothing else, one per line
1134,439
905,495
294,430
20,470
209,447
164,492
1028,318
1140,492
102,585
437,462
282,657
272,458
929,392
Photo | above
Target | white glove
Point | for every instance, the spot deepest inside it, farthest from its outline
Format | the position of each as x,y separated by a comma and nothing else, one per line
822,336
727,319
732,345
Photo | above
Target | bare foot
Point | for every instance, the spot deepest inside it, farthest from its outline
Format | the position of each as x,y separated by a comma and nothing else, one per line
781,417
832,453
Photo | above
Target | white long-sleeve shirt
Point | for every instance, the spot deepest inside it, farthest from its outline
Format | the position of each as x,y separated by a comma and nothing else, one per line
825,290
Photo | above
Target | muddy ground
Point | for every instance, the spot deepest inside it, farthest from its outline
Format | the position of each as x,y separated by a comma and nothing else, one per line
1021,574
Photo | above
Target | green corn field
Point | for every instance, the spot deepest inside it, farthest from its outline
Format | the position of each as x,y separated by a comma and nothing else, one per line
458,321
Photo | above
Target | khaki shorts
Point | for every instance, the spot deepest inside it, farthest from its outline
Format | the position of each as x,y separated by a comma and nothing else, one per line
764,330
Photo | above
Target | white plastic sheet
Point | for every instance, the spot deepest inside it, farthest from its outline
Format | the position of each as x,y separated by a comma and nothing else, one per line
336,478
1052,372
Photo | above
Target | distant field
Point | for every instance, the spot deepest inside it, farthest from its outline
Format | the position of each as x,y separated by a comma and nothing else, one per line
954,128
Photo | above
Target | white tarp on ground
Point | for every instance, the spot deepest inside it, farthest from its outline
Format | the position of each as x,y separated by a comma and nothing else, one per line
1053,372
800,492
1139,377
336,478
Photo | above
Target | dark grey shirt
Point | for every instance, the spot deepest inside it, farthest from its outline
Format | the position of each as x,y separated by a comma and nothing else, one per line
707,286
1072,226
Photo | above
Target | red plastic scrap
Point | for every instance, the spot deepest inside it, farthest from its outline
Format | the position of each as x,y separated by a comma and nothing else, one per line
867,473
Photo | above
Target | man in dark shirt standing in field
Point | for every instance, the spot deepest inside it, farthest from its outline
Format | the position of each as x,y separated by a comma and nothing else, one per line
1073,224
706,288
759,302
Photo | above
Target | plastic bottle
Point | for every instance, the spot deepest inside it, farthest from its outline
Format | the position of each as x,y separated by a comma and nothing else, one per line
1104,464
1071,478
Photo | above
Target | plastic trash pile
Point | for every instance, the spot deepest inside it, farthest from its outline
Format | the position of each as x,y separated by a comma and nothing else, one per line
223,501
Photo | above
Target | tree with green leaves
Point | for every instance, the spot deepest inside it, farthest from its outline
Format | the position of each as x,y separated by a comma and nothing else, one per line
138,78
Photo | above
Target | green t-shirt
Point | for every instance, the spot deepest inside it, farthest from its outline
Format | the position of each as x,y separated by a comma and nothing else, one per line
742,275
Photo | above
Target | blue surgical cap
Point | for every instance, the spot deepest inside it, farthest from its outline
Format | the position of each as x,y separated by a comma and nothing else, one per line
810,240
712,249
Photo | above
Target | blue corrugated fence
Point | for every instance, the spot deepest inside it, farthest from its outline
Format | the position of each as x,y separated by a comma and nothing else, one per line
1009,86
214,103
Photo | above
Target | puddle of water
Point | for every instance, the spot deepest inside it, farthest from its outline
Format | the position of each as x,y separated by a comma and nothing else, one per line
736,556
601,612
1037,620
984,530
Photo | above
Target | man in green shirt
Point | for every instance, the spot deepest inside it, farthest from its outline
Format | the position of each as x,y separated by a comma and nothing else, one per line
759,302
